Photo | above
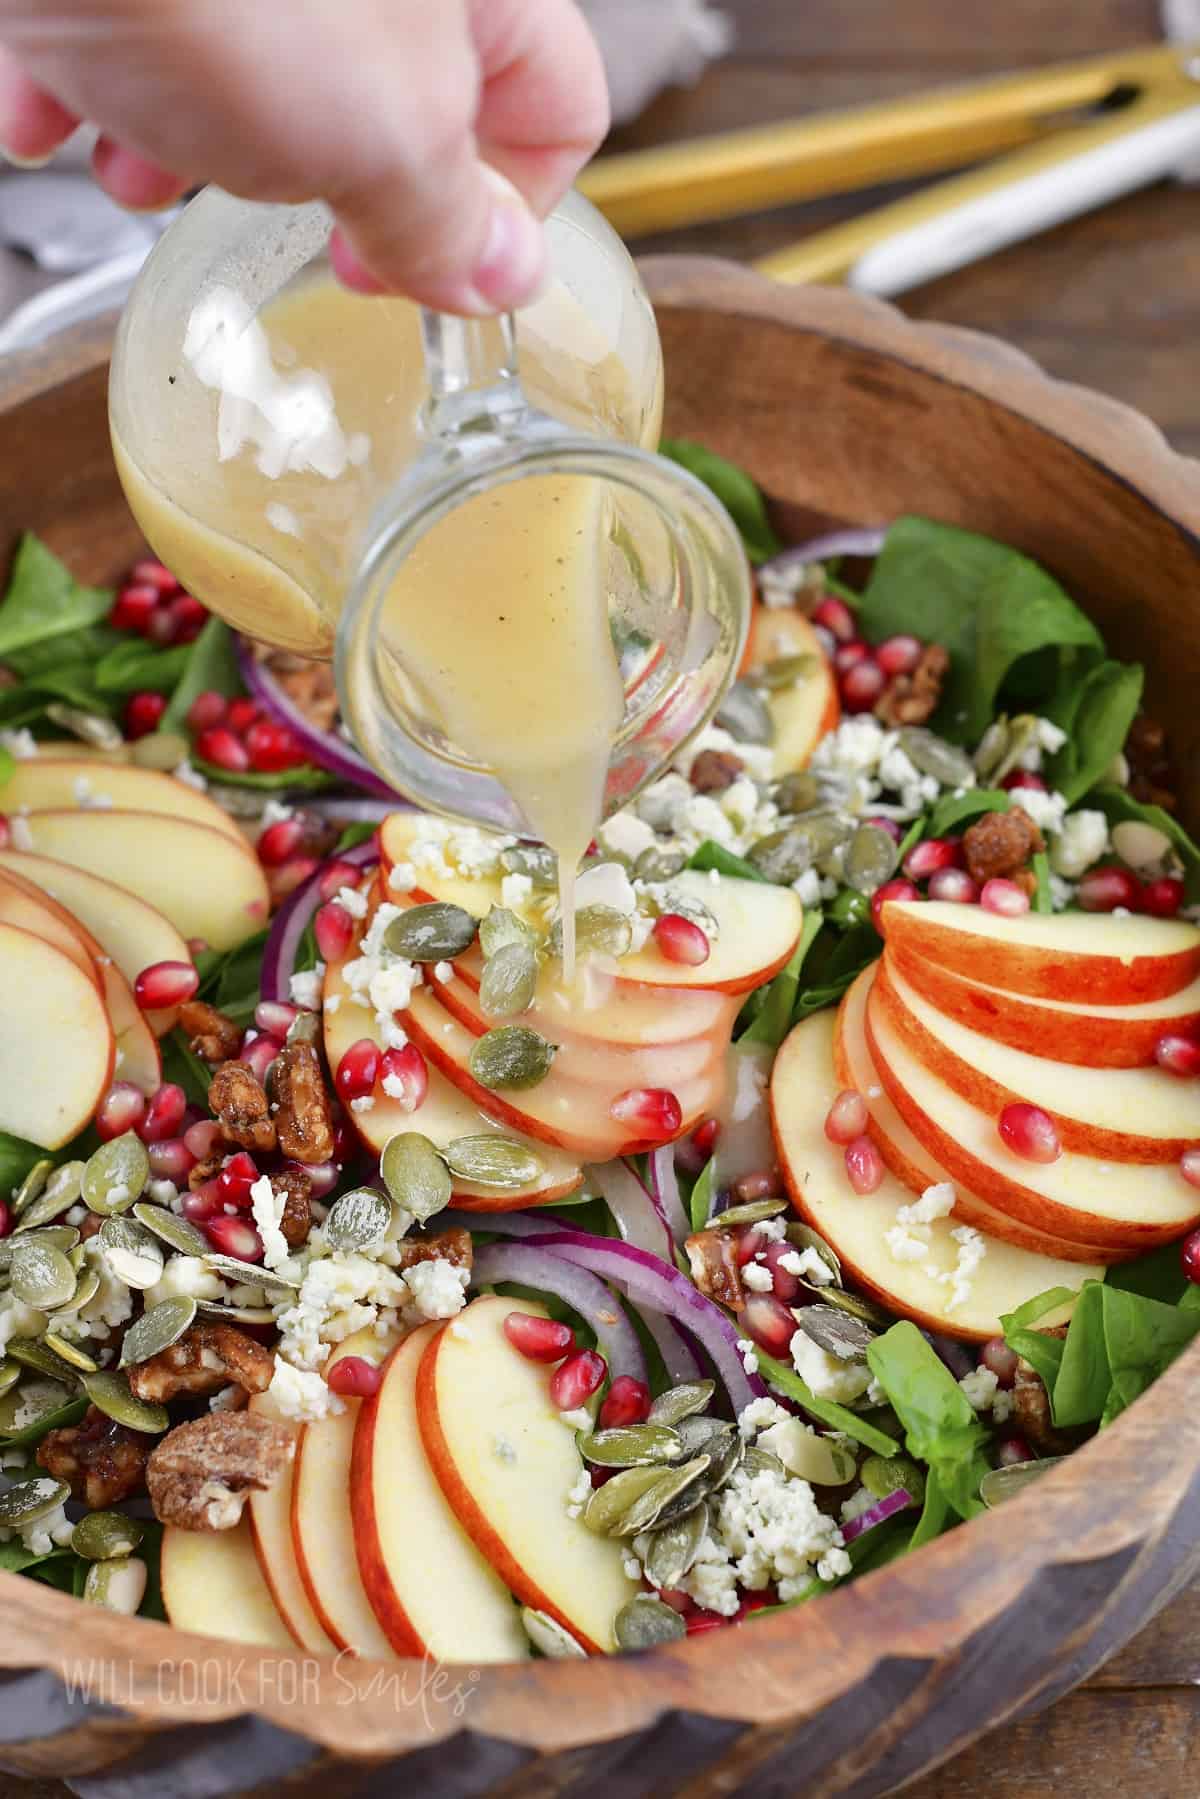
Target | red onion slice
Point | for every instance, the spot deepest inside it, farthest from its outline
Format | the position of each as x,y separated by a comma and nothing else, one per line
864,542
679,1358
879,1513
291,921
326,748
639,1218
587,1295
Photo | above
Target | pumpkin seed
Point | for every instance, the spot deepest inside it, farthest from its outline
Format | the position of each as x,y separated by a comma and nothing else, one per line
608,1504
697,1433
103,1535
753,1212
681,1401
798,792
163,750
304,1028
31,1352
59,1195
534,860
175,1232
509,981
158,1328
26,1501
511,1056
548,1636
761,1461
837,1332
31,1186
998,756
804,1237
231,1314
745,715
89,727
932,755
674,1493
131,1252
70,1352
783,671
10,1374
415,1174
782,856
119,1585
41,1275
111,1392
870,859
76,1255
87,1285
884,1474
503,929
660,863
599,931
27,1412
645,1622
1001,1484
358,1219
52,1236
115,1176
855,1306
631,1446
493,1161
671,1552
436,932
249,1274
990,752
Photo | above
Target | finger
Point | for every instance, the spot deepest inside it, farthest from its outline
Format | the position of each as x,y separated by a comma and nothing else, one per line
131,180
32,123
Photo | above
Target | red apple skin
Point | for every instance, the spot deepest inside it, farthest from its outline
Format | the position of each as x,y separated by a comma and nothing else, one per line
1021,1023
1079,1135
1119,1240
1092,980
394,1620
462,1503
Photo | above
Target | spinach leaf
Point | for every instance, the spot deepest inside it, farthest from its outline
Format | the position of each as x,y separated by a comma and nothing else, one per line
16,1159
1158,1275
1096,713
910,840
353,835
1081,1384
737,492
1043,1353
774,1018
1118,1343
838,1417
940,1425
840,967
1117,805
231,979
710,855
69,1412
1042,899
700,1203
84,649
134,665
45,600
16,1559
305,775
182,1066
937,1514
953,810
150,1550
211,667
986,603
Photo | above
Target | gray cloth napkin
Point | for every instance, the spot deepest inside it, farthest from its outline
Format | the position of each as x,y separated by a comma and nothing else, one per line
652,44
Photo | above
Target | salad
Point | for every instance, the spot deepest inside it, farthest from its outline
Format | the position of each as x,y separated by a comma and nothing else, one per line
366,1285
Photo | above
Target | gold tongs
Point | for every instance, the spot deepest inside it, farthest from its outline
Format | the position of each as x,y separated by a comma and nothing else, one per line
1075,135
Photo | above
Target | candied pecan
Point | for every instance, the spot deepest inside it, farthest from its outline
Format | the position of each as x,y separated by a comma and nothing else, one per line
213,1037
913,699
715,1269
208,1170
238,1101
202,1472
303,1118
89,1225
295,1221
998,845
1147,791
453,1245
206,1358
712,771
101,1461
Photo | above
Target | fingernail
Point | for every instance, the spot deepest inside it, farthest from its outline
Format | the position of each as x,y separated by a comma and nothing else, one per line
25,162
513,268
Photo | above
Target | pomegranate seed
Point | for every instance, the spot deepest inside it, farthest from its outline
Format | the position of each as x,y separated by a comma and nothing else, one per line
1023,777
323,1177
4,832
679,1601
122,1109
1029,1132
203,1138
890,826
220,747
847,1117
276,1017
598,1476
696,1623
165,984
1162,898
786,1285
151,573
999,1360
207,709
1189,1166
928,858
1178,1055
236,1179
1189,1255
626,1402
861,686
1104,889
891,890
6,1218
899,655
234,1237
576,1379
847,654
202,1203
754,1602
680,940
134,607
279,841
160,627
654,1111
345,1141
164,1114
273,747
751,1239
864,1165
241,714
333,929
142,713
1004,898
539,1339
358,1070
955,885
171,1160
354,1377
1012,1451
290,875
404,1076
259,1055
188,617
335,876
704,1137
835,616
767,1322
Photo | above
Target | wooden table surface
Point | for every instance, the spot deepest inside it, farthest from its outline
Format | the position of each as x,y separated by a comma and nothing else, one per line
1111,301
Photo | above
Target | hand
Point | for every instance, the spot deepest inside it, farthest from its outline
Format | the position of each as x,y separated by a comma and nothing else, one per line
403,115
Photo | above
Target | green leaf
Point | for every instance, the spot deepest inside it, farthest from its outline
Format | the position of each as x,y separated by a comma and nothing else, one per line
69,1412
909,841
87,647
1117,806
737,492
937,1514
711,856
700,1204
135,665
150,1550
1043,1353
16,1559
1118,1343
182,1066
774,1019
988,605
1096,713
353,835
211,667
1042,899
1081,1383
45,600
940,1425
231,979
842,959
306,776
954,810
16,1159
1158,1275
838,1417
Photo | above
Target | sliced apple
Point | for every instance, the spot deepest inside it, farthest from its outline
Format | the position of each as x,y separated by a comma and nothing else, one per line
207,885
270,1514
40,784
1093,957
322,1520
599,1003
1118,1114
434,1591
804,712
212,1584
56,1043
908,1160
506,1460
803,1085
1121,1205
37,913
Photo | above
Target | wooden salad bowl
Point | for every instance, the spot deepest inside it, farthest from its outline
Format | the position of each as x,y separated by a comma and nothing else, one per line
845,412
